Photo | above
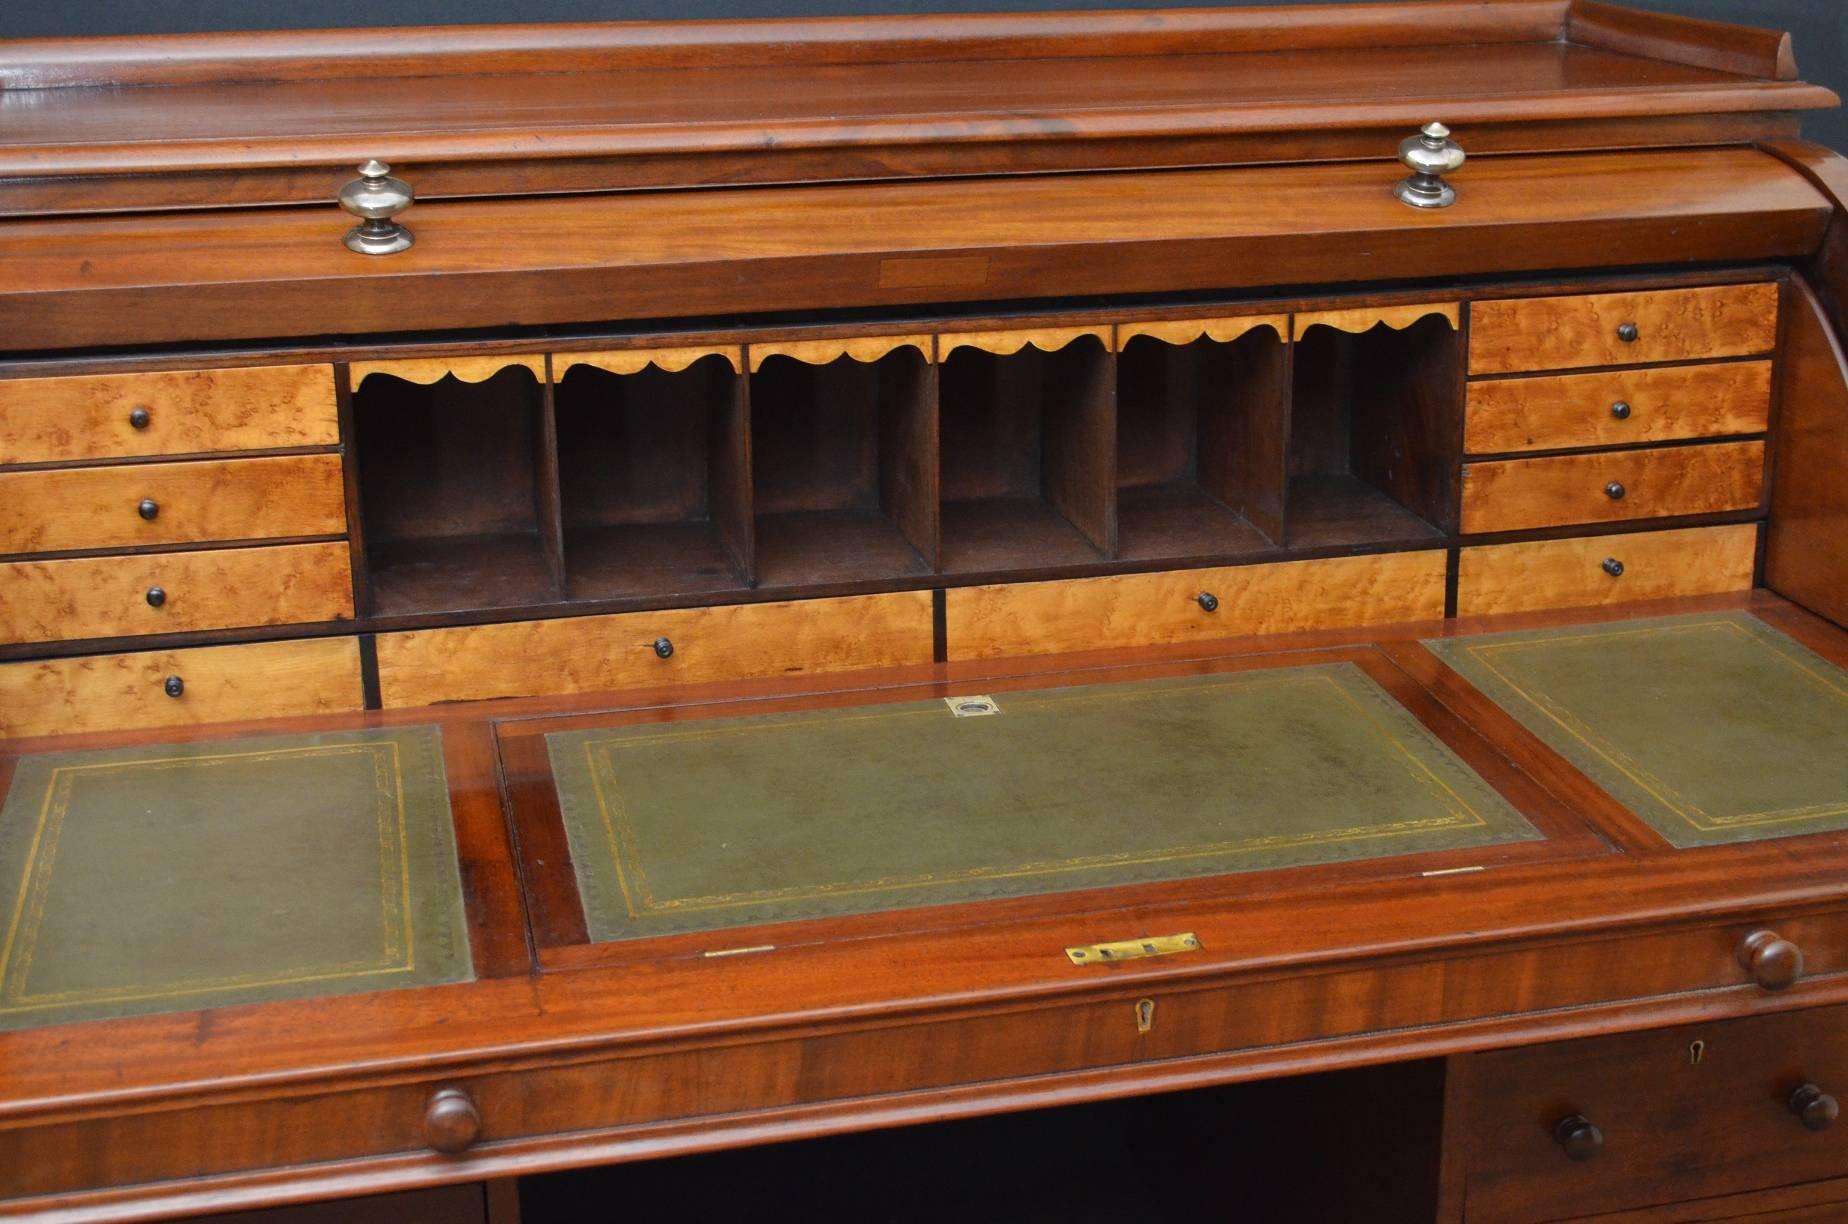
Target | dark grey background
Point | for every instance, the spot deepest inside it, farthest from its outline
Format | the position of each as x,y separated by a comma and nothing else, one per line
1820,26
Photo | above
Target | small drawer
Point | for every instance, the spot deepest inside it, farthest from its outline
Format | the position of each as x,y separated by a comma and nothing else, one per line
1617,408
177,688
1193,605
642,649
1612,329
1612,486
169,412
1682,1113
1612,569
106,597
171,503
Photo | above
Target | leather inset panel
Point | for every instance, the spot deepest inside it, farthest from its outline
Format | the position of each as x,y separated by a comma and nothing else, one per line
749,820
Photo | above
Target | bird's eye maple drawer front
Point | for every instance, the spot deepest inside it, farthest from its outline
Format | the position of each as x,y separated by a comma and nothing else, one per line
1193,605
1593,571
177,688
1582,1127
169,412
638,649
171,503
1612,486
1617,407
104,597
1613,329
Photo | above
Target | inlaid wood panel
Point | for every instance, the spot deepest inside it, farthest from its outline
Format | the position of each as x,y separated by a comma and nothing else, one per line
218,684
1577,573
228,499
1689,1112
594,653
48,420
1658,405
1561,333
1154,609
105,597
1517,494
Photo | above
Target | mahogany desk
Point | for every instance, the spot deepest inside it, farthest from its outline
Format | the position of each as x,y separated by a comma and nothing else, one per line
833,574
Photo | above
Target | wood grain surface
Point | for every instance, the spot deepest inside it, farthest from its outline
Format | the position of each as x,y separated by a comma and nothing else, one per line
1517,494
221,684
277,272
199,502
591,654
1149,609
1570,573
1573,410
46,420
106,597
1671,325
1675,1129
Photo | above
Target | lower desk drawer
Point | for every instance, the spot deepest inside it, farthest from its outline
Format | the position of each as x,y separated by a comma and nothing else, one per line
215,684
1612,486
107,597
1193,605
1610,569
728,1089
1692,1112
171,503
589,654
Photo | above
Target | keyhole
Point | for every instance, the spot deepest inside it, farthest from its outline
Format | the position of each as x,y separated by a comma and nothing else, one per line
1697,1050
1145,1015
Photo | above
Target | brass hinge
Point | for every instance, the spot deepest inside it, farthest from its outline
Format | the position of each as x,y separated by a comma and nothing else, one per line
1133,949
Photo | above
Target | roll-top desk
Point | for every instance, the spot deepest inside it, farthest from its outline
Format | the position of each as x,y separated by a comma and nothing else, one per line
826,575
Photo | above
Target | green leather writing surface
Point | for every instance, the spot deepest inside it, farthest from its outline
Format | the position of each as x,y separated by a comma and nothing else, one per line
724,823
1712,728
176,877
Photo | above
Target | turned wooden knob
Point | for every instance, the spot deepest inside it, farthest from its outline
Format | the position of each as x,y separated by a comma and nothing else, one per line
1774,962
138,418
1208,601
1578,1137
1816,1109
1628,332
663,648
451,1121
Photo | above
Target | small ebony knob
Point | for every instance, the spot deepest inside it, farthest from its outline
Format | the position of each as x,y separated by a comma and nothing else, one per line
375,197
139,418
1815,1108
1429,156
1621,410
1627,333
1773,961
664,648
451,1121
149,509
1613,567
1615,490
174,686
157,597
1578,1137
1208,601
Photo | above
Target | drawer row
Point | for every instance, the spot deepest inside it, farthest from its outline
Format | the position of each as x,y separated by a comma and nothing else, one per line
752,641
180,412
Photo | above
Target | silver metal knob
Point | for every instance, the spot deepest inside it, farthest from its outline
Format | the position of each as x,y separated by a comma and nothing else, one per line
1429,156
375,197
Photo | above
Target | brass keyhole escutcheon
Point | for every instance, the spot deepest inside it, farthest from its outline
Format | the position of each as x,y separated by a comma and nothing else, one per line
1697,1050
1145,1015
